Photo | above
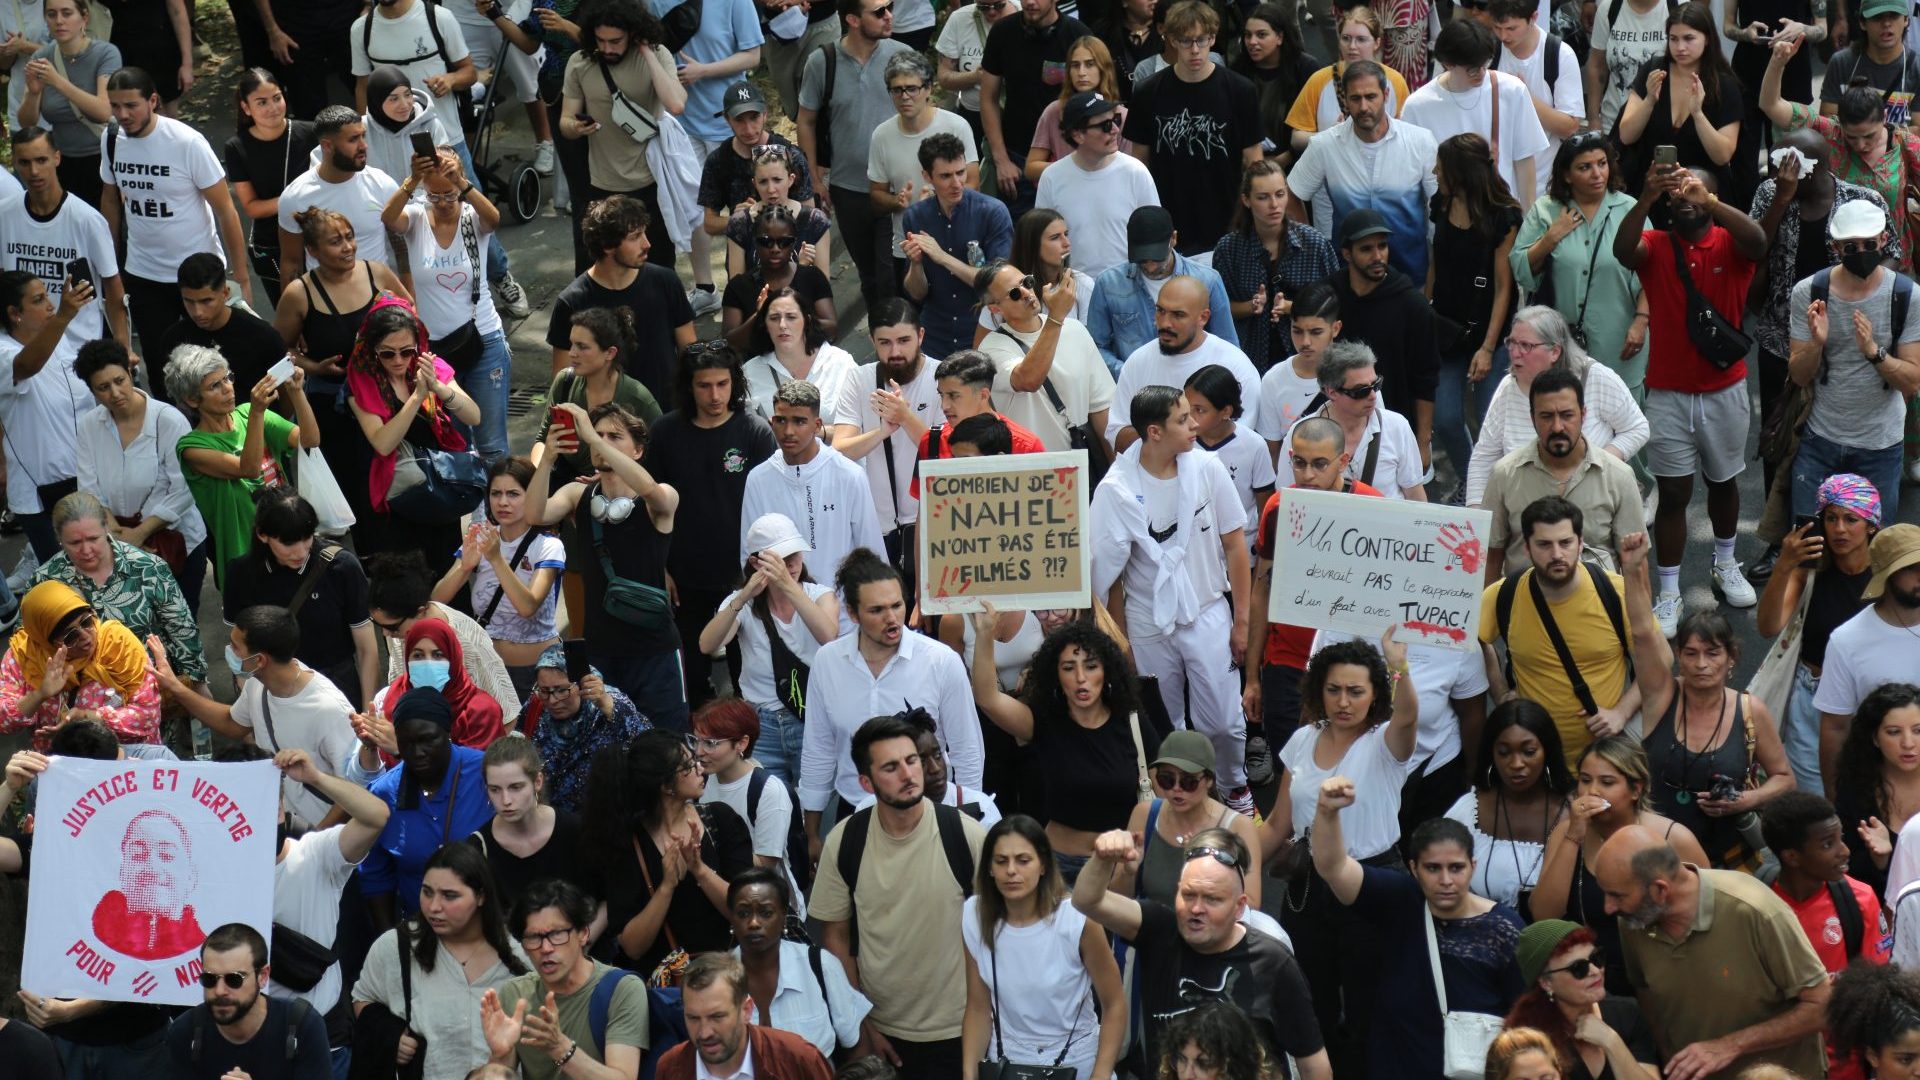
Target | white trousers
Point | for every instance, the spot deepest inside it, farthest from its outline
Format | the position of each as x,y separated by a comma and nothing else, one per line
1195,662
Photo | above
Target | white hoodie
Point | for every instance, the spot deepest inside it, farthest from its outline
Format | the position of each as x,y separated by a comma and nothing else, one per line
827,498
392,151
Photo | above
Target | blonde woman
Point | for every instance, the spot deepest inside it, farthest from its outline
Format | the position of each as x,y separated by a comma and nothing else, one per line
1318,106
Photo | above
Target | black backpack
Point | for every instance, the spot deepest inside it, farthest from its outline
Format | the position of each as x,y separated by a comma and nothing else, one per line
1846,907
822,120
1551,61
853,848
297,1010
799,860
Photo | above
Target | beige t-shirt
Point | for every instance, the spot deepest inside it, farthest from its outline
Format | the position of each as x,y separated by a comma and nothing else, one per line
912,961
1079,375
614,161
626,1016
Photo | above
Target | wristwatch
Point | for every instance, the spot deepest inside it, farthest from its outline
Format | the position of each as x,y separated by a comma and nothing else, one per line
1879,356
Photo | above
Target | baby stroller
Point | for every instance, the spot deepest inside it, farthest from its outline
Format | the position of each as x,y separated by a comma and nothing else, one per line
518,194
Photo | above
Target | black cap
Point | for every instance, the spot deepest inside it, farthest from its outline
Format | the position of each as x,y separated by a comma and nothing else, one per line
1362,223
1083,107
741,97
1149,234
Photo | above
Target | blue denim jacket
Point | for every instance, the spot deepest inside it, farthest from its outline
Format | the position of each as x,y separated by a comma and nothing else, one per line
1121,318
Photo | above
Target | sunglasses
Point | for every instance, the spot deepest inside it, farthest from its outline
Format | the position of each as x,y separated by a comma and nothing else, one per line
1358,393
884,11
1019,292
776,241
408,353
444,197
234,979
1588,140
1580,968
1109,124
79,630
1220,855
1169,779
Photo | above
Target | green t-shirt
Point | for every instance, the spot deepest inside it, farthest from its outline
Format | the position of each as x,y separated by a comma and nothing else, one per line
629,393
227,505
626,1016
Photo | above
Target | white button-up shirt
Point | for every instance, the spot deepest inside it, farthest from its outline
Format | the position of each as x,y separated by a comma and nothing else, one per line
143,477
843,693
827,1013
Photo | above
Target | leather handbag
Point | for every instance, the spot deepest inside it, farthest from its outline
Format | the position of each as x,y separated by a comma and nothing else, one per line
167,543
435,485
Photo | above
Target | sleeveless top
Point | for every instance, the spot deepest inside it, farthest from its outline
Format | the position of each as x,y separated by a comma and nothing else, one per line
1160,866
638,552
1679,775
1587,905
330,331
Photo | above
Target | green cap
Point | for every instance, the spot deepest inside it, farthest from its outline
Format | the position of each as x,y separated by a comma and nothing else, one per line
1883,7
1536,946
1188,751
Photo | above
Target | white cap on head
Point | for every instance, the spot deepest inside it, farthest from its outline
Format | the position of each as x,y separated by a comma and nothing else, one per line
1856,220
775,533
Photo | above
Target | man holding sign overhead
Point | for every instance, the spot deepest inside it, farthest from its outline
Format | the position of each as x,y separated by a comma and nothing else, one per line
1170,533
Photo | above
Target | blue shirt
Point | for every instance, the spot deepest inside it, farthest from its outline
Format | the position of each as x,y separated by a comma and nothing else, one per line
726,27
1121,316
948,314
419,825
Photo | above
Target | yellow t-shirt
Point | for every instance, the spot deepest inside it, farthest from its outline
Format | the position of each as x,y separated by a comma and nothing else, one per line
1537,671
1318,106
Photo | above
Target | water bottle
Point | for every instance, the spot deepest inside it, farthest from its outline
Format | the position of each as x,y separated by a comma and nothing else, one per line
975,257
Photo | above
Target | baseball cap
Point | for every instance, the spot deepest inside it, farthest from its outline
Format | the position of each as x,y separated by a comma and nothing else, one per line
1188,751
1149,234
1857,220
1883,7
1894,548
775,533
1083,107
742,97
1360,224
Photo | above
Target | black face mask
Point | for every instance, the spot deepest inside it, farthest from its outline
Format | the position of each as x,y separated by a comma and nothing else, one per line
1861,263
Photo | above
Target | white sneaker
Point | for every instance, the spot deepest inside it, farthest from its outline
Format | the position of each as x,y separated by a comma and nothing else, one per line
1666,611
1733,585
513,298
1913,471
705,301
23,571
543,158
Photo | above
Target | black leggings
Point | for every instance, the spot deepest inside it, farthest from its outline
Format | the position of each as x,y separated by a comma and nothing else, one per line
153,307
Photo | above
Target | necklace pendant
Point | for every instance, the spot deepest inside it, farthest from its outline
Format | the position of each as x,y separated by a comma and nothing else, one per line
1683,797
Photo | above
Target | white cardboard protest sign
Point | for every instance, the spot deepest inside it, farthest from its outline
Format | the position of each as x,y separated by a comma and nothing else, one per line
1359,564
134,863
1007,529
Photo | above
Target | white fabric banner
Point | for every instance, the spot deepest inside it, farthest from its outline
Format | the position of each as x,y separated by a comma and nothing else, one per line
134,862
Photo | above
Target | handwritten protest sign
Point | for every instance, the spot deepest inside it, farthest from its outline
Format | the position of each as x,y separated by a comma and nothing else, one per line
134,863
1010,530
1360,564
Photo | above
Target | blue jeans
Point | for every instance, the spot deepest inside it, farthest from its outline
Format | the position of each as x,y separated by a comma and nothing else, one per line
778,748
142,1059
497,267
1450,428
1800,730
342,1060
1820,458
489,381
653,682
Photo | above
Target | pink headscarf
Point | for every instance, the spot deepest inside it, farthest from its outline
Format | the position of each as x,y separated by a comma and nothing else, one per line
366,381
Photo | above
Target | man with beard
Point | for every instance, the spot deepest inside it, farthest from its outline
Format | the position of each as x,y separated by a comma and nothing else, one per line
1369,161
1870,648
883,413
341,181
972,802
1591,694
1028,57
239,1033
543,1022
1204,947
1122,311
1698,408
812,484
721,1031
1845,334
919,861
1384,309
1169,549
617,232
163,180
1182,345
1719,963
1560,462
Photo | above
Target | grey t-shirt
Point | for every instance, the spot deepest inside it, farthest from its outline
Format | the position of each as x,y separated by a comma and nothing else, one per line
71,134
860,102
1900,80
1855,406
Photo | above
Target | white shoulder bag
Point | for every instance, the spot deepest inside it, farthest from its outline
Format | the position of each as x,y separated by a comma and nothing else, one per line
1465,1035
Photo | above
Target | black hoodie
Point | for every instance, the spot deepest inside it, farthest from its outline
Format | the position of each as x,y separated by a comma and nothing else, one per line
1396,322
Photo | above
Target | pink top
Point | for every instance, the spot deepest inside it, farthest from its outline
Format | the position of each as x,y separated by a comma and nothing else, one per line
136,721
1046,133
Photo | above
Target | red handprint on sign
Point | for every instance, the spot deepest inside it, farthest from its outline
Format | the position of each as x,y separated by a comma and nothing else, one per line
1462,544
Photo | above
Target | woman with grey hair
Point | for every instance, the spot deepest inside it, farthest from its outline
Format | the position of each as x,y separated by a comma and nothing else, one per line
234,449
1540,340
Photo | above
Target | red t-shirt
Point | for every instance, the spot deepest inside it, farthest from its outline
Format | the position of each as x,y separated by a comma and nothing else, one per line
1288,646
1024,442
1722,275
1821,924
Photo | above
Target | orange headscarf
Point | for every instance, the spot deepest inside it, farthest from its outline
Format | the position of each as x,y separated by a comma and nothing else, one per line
119,661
